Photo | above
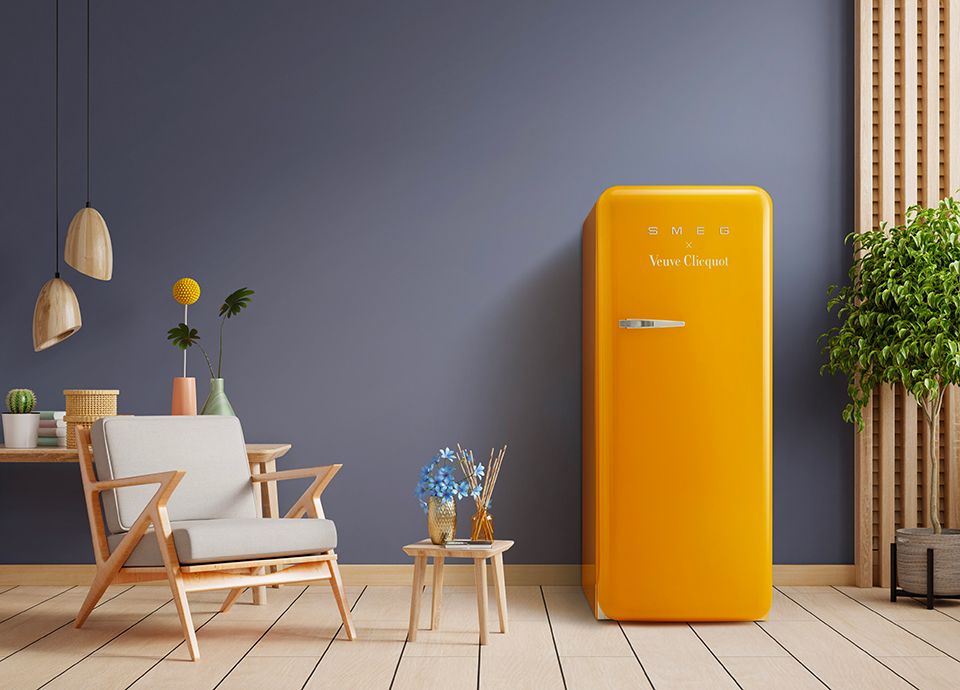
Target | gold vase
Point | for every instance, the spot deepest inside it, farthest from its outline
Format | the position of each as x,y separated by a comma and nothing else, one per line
441,520
481,525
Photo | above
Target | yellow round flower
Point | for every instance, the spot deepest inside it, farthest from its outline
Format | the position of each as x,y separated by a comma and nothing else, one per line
186,291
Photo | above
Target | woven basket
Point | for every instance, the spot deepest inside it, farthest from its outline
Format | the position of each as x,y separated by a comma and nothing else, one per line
912,545
81,422
91,403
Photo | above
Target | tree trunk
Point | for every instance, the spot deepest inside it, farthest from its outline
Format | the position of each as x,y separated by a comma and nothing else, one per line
933,464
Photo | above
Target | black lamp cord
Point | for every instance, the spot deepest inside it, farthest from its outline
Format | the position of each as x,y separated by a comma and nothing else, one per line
56,126
88,103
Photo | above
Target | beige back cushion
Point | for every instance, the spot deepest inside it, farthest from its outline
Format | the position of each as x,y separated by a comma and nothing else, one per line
210,449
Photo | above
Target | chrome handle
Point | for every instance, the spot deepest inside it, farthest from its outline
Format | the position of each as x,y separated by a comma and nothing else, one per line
650,323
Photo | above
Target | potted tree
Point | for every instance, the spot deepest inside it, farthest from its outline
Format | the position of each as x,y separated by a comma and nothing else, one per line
900,324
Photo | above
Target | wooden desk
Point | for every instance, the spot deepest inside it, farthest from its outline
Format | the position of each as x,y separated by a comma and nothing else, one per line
261,456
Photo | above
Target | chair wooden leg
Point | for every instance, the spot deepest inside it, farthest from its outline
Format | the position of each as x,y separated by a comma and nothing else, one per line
437,592
336,584
480,575
231,599
100,583
183,609
501,589
161,527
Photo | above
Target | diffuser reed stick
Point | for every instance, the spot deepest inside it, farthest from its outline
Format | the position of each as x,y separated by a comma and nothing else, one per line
482,520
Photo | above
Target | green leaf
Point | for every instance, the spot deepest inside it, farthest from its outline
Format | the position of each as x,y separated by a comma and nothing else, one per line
235,302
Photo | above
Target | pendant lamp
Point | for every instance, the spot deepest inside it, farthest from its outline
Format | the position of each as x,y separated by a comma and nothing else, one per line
56,315
88,248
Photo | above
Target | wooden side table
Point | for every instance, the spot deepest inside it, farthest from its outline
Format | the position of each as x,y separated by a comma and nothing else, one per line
422,550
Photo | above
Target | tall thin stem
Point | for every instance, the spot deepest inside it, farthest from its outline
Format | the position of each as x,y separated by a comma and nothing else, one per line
185,322
220,356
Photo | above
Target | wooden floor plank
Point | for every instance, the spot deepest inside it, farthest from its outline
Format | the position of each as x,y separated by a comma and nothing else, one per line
380,617
526,658
941,673
865,628
601,673
673,656
763,673
416,673
15,600
64,647
942,634
576,631
784,609
21,630
458,634
129,656
273,672
905,609
738,639
223,643
836,661
307,627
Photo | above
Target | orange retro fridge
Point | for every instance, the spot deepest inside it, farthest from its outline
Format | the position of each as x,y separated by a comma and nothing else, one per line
677,404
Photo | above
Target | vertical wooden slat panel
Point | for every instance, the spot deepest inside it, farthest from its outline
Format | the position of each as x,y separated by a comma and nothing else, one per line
863,219
951,34
908,181
908,472
931,102
908,105
887,197
951,479
863,500
886,483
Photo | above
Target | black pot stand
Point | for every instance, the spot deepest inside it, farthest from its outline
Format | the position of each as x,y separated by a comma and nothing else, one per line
897,592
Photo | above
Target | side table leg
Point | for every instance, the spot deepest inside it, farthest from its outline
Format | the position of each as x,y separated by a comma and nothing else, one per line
480,575
416,592
501,588
437,592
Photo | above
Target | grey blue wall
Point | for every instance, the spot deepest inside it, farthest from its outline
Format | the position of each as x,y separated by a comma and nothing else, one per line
403,184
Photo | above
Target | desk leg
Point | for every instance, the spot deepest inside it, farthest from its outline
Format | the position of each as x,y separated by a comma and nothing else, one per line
500,586
437,592
271,509
480,575
416,593
267,505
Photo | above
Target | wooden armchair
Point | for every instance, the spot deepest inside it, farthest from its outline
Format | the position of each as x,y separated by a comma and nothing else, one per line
206,530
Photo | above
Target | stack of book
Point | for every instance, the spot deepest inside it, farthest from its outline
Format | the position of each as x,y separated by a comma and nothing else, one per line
53,430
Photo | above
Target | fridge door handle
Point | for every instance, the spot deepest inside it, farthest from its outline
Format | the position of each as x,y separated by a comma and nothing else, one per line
650,323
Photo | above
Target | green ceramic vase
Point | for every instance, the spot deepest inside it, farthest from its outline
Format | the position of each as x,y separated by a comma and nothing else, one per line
217,402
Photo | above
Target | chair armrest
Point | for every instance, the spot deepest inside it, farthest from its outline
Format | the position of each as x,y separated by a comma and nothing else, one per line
139,480
296,473
309,501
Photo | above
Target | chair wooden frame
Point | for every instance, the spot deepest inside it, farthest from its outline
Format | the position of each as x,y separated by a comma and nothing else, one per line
235,575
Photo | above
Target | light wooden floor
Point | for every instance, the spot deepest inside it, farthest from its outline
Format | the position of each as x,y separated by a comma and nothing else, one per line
814,637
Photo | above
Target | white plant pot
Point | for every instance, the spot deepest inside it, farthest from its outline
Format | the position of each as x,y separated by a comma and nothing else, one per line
20,430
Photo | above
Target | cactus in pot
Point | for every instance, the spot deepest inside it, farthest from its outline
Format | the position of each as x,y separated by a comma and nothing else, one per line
20,425
21,401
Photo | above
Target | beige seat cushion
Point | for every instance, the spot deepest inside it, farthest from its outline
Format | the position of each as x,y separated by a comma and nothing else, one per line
238,539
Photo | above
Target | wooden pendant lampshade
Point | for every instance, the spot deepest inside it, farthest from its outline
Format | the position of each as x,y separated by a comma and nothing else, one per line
56,316
88,248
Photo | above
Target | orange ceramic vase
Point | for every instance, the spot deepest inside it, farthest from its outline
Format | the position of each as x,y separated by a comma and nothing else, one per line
184,396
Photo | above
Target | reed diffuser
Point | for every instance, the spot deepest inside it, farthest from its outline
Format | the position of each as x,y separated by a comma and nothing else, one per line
482,520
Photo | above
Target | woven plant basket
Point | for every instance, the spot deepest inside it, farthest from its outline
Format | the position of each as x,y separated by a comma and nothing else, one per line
91,403
912,545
